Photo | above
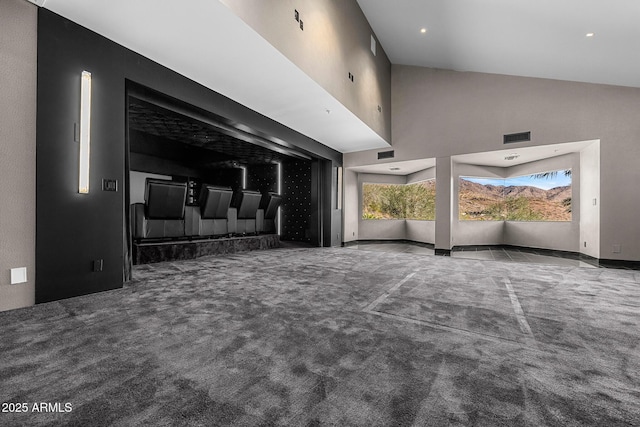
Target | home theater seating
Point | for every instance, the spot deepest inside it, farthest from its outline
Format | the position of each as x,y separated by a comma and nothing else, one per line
213,215
269,204
247,203
220,212
162,214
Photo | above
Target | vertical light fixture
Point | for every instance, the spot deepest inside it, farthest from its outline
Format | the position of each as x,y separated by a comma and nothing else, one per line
339,188
279,226
244,177
85,133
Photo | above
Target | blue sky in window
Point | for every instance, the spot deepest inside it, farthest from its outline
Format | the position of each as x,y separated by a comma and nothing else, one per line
560,180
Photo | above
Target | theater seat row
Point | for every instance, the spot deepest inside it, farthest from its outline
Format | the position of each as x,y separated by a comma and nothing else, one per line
220,211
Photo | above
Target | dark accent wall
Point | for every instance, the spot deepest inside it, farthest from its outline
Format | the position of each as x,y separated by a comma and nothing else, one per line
262,178
73,230
296,208
231,177
333,215
154,154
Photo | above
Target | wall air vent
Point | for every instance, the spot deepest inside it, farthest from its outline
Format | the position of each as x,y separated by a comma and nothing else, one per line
517,137
385,155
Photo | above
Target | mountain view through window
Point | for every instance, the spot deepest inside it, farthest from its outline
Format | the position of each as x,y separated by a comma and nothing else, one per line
544,196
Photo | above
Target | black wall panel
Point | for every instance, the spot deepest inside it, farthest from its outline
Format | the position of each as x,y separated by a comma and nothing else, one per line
225,178
154,154
73,230
262,178
297,209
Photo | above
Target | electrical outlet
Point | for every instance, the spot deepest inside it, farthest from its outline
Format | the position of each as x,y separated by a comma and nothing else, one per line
98,264
296,15
585,244
301,25
18,275
617,248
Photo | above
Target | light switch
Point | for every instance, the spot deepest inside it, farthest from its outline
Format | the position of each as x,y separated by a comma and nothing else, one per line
109,184
18,275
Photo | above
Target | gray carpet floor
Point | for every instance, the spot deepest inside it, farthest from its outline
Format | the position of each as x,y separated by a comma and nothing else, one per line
334,336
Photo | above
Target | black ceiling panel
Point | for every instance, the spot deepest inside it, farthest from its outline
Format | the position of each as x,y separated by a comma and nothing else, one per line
167,125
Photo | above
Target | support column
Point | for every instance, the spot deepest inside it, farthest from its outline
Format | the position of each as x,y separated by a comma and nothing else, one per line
444,194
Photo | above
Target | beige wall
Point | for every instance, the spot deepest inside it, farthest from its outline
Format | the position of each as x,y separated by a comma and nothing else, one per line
422,175
439,113
421,231
590,200
336,41
350,206
18,20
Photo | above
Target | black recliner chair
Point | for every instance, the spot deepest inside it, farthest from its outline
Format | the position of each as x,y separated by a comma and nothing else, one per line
269,204
247,203
161,215
214,205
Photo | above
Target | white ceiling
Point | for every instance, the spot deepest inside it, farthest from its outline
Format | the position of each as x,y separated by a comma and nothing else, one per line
396,168
206,42
524,154
541,38
534,38
488,158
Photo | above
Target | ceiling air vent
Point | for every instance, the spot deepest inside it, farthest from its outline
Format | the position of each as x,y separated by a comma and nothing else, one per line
517,137
385,155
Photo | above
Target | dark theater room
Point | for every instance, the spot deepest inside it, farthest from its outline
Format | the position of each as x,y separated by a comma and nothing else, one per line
319,213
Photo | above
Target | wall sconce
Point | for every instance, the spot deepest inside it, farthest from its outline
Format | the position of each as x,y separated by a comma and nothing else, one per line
244,177
279,214
85,133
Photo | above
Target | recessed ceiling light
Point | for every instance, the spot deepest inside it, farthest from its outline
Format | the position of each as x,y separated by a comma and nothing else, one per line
590,34
512,156
394,169
423,30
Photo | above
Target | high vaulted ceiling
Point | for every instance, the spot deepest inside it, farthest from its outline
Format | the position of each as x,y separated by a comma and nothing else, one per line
206,42
533,38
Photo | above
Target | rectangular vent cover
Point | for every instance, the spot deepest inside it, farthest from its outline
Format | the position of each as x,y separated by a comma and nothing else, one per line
385,155
517,137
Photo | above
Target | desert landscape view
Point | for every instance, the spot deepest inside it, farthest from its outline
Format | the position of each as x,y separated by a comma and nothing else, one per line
398,201
480,199
486,202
